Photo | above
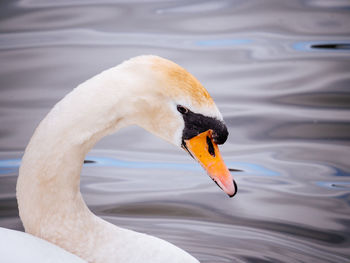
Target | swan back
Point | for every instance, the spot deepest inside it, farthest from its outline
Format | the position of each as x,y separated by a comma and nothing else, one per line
17,246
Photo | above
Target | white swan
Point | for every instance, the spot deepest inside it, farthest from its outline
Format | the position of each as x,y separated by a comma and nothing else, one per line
17,247
149,91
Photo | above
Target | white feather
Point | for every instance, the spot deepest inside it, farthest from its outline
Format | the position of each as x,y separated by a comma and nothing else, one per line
18,247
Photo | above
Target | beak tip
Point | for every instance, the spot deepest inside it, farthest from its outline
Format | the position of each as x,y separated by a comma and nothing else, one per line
236,189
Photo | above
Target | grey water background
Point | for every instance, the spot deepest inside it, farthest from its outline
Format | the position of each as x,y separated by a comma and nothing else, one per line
278,70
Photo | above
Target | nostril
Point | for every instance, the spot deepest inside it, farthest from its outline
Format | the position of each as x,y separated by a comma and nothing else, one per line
211,149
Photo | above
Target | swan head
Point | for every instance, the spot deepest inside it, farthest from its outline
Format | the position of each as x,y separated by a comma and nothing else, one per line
172,104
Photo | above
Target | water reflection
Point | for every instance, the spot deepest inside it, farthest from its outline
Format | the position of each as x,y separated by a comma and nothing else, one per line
223,42
316,130
338,185
336,100
338,46
279,72
326,46
342,4
96,161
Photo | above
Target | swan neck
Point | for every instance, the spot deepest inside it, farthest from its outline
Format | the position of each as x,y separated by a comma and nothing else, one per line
49,178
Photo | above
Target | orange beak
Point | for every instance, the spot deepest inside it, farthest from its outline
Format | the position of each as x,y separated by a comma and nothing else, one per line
206,152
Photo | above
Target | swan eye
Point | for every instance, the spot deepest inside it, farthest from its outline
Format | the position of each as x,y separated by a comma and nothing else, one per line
182,109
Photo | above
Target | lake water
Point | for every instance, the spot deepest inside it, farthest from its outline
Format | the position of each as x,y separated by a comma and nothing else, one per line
278,70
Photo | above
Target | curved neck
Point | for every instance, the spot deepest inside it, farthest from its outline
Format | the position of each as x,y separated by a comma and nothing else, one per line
49,176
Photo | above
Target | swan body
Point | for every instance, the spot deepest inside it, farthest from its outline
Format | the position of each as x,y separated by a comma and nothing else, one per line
145,91
32,249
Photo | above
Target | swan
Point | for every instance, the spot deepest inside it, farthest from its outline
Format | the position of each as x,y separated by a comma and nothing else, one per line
149,91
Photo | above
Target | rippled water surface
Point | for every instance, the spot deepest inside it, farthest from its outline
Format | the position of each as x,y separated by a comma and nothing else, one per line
278,70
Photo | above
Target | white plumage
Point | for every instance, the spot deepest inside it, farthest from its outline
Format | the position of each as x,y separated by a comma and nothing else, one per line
18,247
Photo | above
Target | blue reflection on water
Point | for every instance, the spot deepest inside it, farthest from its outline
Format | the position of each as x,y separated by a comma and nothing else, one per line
334,185
10,165
339,172
324,46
